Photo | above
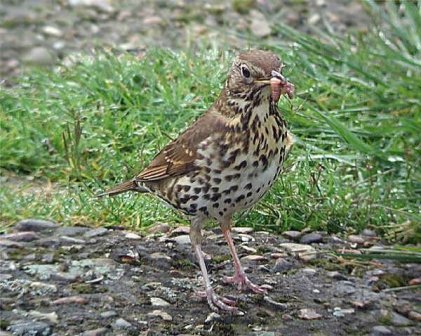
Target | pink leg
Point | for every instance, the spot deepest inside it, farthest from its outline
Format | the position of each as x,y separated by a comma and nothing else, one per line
214,301
239,277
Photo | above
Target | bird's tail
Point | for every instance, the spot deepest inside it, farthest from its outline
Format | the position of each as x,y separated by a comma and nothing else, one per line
130,185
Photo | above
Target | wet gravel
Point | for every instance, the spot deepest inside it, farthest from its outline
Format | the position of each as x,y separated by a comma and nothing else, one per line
44,32
57,280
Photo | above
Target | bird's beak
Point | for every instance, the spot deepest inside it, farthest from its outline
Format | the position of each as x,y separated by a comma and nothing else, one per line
279,86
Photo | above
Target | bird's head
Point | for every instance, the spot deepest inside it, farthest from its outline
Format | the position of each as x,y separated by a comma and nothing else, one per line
256,75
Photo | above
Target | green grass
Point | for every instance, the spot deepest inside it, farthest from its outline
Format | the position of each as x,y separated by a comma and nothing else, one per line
356,118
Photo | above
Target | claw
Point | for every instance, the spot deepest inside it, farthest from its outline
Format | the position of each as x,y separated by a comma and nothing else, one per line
217,302
243,283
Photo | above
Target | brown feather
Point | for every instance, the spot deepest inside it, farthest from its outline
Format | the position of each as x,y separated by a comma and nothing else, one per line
178,157
130,185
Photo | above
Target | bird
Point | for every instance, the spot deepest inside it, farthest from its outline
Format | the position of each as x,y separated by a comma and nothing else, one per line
225,161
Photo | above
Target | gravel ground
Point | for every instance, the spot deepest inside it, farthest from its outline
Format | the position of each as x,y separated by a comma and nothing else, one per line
44,32
58,280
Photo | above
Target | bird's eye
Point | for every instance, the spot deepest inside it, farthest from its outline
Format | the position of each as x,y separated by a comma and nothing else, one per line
245,72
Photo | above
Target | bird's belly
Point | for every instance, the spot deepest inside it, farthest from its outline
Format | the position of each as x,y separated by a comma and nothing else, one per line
222,193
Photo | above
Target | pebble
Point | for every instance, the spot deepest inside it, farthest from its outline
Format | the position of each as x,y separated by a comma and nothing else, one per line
356,239
159,256
336,275
243,230
311,238
132,235
292,235
35,225
40,288
182,240
345,287
259,24
275,304
414,282
308,314
180,230
413,315
52,31
368,233
304,252
159,228
38,56
95,233
50,317
25,236
108,314
158,302
10,243
212,317
339,312
95,332
380,330
399,320
30,328
70,300
121,323
160,313
282,265
71,231
72,240
253,258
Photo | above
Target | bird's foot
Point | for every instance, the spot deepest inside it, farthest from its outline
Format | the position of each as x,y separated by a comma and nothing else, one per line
217,302
243,283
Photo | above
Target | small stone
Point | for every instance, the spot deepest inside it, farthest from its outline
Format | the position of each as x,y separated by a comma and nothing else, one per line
253,258
181,230
259,24
212,317
35,225
243,230
50,317
159,256
292,235
400,321
159,228
282,265
95,233
10,243
182,240
71,231
345,287
39,56
309,271
245,238
102,5
248,249
336,275
159,313
415,316
132,235
70,300
30,328
339,312
275,304
95,332
368,233
52,31
41,288
304,252
122,324
356,239
108,314
156,301
25,236
414,282
308,314
71,240
311,238
380,330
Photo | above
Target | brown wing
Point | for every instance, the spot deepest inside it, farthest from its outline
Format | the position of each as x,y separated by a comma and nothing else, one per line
178,157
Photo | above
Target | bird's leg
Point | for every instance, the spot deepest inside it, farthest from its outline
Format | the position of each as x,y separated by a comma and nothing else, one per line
239,277
215,301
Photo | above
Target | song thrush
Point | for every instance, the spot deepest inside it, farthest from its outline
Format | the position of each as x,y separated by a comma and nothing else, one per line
225,161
